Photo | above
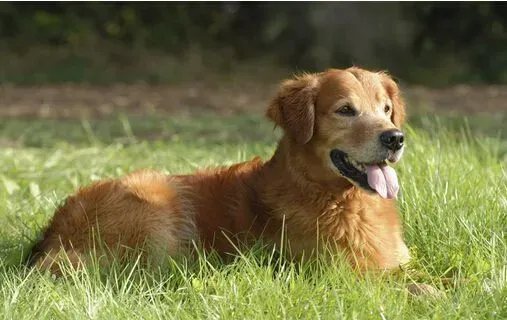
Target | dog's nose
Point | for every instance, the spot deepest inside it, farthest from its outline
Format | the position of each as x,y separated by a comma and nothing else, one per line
392,139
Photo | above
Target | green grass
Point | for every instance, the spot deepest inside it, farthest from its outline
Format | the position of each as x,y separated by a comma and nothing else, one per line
453,204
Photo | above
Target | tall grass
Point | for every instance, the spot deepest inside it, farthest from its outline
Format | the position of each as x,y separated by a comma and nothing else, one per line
453,205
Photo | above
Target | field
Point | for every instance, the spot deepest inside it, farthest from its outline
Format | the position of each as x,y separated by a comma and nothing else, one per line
453,204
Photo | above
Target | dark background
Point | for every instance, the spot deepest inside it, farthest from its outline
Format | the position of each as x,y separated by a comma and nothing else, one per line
434,44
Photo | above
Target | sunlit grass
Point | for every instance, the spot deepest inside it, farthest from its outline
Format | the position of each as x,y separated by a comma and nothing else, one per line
453,204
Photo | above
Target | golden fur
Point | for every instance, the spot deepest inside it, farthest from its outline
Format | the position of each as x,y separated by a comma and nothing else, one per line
298,188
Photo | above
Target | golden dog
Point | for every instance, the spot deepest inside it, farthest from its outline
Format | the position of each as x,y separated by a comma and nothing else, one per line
329,180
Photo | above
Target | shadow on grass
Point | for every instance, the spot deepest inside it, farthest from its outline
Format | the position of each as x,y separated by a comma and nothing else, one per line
205,129
490,125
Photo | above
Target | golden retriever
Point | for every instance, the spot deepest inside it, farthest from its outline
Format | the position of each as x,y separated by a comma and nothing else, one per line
328,181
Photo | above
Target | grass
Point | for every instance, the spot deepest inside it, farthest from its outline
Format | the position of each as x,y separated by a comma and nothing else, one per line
453,204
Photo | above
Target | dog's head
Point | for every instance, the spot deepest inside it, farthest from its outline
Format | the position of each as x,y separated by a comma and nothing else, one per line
349,121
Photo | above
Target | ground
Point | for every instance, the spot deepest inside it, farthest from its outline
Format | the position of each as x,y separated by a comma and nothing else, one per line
222,97
453,205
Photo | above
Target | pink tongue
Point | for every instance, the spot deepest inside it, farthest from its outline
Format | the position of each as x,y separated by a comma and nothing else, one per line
384,180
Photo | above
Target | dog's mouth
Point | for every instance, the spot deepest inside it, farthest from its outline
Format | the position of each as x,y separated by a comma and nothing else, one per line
375,177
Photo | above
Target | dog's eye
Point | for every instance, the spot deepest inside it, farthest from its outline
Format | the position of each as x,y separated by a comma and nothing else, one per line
387,108
346,110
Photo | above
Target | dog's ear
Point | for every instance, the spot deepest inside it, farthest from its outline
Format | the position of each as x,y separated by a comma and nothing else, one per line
293,107
398,114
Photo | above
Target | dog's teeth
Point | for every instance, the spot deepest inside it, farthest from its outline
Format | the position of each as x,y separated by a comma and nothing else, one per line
354,163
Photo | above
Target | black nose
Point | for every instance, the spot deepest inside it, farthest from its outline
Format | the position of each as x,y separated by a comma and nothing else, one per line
392,139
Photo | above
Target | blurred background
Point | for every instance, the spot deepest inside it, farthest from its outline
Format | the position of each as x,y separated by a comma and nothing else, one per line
62,60
91,90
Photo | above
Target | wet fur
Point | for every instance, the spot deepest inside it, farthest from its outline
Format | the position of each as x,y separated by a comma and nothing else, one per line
297,189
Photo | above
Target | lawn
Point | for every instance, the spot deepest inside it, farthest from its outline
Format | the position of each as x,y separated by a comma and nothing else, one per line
453,205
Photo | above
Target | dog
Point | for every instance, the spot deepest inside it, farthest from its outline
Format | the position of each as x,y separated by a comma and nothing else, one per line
329,181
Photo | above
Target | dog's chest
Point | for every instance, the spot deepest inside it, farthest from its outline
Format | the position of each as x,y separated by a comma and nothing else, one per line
360,227
343,222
